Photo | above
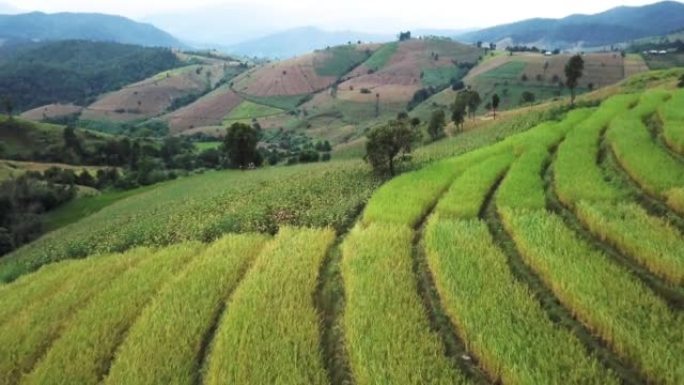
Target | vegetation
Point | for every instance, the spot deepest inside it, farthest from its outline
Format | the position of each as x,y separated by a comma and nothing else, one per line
386,142
673,121
167,331
240,146
387,334
381,57
278,334
573,71
77,71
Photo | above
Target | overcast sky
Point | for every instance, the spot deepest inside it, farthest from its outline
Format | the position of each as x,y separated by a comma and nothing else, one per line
336,14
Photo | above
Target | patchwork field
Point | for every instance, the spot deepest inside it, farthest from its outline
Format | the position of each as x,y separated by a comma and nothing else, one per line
554,255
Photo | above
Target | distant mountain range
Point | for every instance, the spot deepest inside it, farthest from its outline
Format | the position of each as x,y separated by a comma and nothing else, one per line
299,41
621,24
37,26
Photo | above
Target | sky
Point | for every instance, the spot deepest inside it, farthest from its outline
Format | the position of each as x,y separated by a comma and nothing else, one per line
368,15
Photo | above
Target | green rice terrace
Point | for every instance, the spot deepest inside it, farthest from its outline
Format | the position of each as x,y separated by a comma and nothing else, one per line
506,255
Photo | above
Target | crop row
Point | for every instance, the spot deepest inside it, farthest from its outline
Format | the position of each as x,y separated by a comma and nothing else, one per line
603,207
204,207
270,332
48,309
501,323
650,166
672,116
165,344
83,352
604,296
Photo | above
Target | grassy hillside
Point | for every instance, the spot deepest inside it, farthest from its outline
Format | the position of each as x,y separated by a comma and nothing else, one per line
551,256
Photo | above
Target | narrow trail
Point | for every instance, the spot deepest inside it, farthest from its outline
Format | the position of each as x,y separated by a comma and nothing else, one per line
202,358
556,311
672,295
652,204
655,128
454,347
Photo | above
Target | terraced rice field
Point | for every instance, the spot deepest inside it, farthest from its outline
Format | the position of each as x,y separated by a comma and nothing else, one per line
555,256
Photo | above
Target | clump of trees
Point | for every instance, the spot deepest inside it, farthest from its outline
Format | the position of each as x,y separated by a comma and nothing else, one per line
22,202
437,124
240,146
387,142
403,36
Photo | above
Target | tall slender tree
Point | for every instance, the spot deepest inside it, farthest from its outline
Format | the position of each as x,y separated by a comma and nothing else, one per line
573,72
495,103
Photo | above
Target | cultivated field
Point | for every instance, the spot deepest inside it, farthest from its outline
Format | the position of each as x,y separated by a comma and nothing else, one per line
552,256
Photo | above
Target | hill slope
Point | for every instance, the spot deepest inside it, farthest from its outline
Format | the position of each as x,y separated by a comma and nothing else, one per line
613,26
77,71
83,26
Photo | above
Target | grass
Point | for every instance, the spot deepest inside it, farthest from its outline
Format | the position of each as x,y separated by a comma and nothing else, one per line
437,77
340,61
270,333
577,175
509,70
652,241
466,196
204,207
672,115
83,353
282,102
649,165
503,324
387,333
203,146
77,209
247,111
381,57
604,296
170,331
29,333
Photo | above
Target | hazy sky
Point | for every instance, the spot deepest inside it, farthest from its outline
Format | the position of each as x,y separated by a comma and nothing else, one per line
336,14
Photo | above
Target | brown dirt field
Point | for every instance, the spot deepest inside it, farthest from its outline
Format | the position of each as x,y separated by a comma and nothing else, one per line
209,110
153,96
400,78
291,77
51,111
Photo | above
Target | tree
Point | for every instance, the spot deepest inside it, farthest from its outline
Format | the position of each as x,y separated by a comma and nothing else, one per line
495,103
473,102
403,36
240,146
458,110
437,123
8,106
573,71
681,82
386,142
527,97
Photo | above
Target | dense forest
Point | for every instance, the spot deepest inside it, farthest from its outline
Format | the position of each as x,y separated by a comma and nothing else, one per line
76,71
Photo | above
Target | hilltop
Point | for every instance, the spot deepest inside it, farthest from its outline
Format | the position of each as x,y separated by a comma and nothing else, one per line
614,26
38,26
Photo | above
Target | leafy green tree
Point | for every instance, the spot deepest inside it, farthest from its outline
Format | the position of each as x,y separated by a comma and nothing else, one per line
473,100
458,111
495,103
573,72
240,146
437,123
386,142
527,97
681,82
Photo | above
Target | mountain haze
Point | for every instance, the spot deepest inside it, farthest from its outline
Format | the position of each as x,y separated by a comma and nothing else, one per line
38,26
617,25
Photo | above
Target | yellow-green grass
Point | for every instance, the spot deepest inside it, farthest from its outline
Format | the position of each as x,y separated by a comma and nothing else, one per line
499,318
26,336
204,207
387,332
652,241
576,173
466,196
635,323
84,351
672,116
649,165
247,111
613,304
164,345
523,186
270,333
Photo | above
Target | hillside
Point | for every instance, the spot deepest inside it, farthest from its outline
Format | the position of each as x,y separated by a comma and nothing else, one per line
603,29
76,71
549,254
39,26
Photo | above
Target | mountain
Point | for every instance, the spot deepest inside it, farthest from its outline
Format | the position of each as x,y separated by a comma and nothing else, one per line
298,41
39,26
613,26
